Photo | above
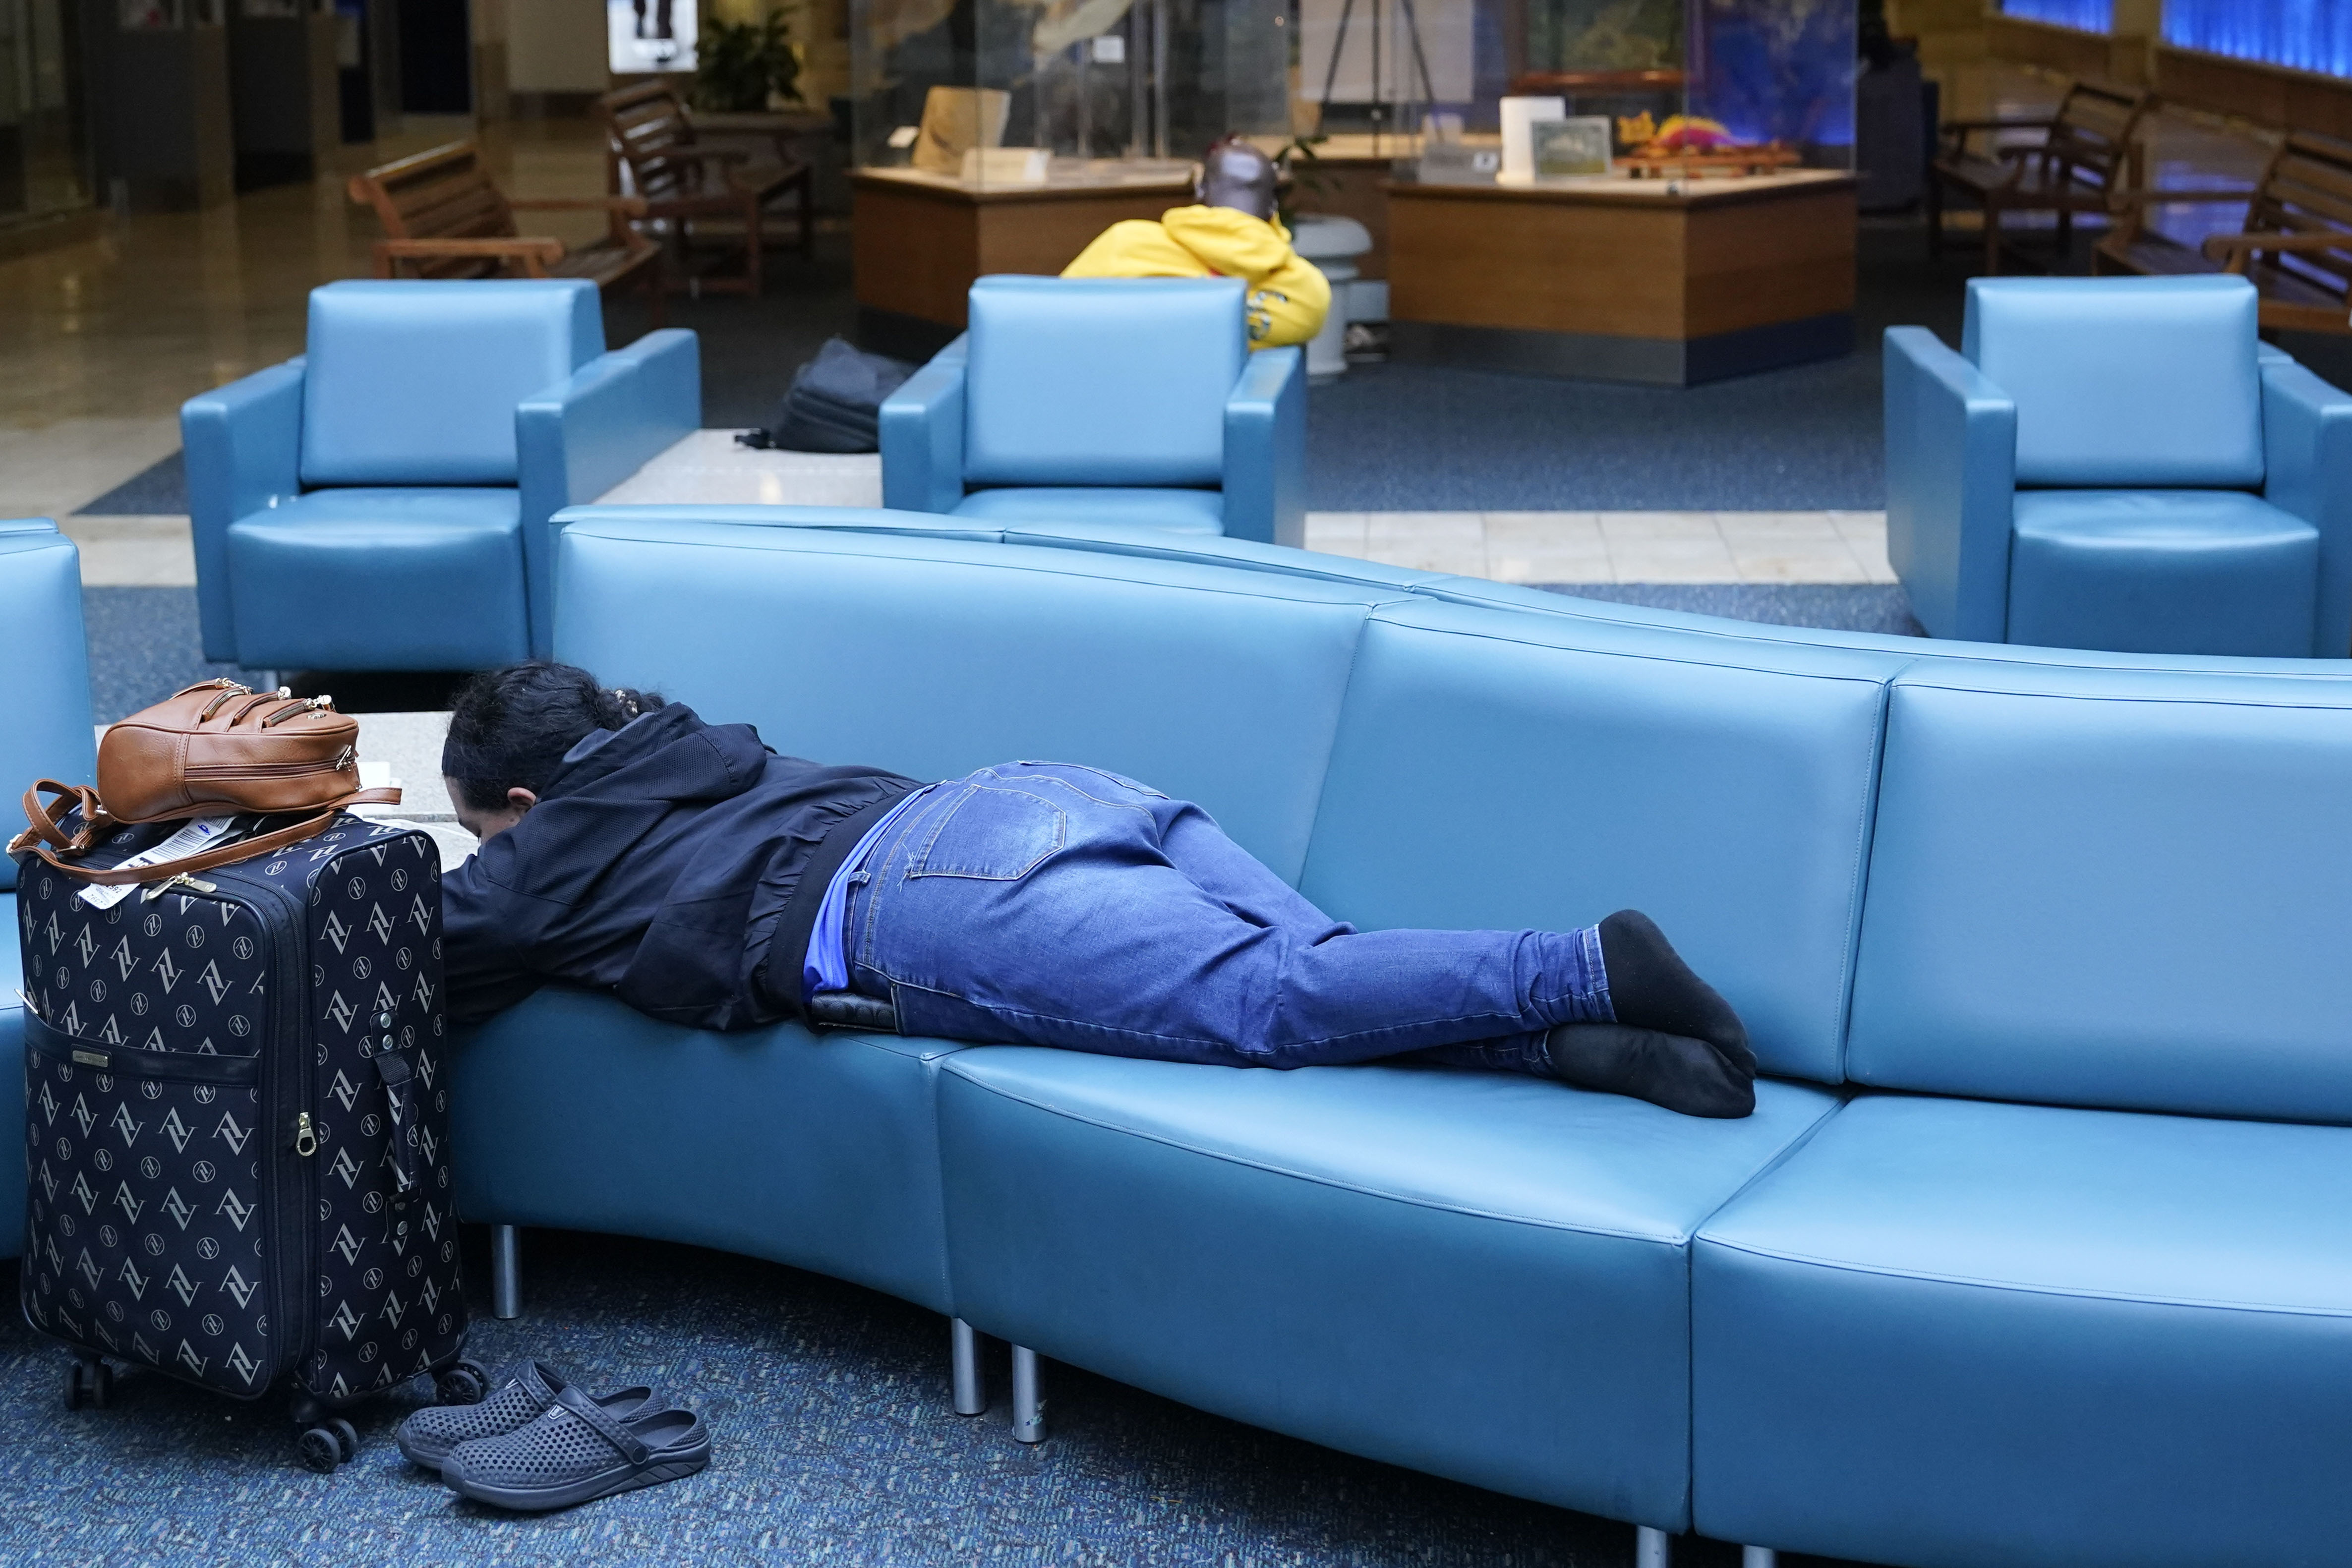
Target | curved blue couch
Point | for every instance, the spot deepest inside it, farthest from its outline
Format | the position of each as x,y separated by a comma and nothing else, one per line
2037,1250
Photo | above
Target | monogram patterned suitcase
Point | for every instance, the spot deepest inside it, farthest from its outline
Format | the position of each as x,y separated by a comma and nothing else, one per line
236,1133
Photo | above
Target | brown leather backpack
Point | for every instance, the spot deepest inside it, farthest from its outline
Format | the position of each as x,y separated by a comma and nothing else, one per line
211,750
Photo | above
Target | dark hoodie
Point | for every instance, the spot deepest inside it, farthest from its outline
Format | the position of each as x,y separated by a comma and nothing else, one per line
662,866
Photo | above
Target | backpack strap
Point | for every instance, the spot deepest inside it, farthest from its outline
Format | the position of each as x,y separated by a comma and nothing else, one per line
203,860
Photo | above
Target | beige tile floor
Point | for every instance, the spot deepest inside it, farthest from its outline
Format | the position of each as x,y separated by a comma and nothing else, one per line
1617,547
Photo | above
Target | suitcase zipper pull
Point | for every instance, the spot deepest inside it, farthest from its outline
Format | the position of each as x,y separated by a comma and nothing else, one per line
154,890
306,1142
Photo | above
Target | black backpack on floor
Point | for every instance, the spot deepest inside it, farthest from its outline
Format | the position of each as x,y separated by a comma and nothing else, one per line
237,1108
834,403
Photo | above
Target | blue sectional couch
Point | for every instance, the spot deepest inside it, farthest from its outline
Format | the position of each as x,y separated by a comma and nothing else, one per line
2034,1252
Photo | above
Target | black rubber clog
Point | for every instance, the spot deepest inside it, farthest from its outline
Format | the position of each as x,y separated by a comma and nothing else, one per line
429,1436
577,1451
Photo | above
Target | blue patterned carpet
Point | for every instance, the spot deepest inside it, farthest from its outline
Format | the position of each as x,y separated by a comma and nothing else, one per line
833,1443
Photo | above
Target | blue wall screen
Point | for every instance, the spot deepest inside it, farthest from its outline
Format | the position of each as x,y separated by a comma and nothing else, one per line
2307,35
2091,15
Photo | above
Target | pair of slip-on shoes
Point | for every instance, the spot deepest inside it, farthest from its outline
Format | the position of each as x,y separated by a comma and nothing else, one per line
540,1441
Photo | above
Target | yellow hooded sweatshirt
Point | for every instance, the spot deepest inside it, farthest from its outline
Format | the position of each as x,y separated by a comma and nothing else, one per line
1288,299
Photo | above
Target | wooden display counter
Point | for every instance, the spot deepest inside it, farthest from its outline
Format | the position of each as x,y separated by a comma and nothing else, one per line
917,241
1663,282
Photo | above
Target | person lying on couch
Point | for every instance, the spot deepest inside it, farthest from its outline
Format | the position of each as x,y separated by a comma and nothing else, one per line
1232,231
628,846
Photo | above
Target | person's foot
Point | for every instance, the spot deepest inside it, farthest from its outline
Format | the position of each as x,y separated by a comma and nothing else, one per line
1670,1070
1650,987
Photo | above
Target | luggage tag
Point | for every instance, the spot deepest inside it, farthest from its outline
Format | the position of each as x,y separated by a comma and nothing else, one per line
192,836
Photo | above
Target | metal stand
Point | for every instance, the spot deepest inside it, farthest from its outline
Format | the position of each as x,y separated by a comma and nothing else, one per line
1028,1409
1649,1547
1339,46
1758,1557
506,1273
970,1386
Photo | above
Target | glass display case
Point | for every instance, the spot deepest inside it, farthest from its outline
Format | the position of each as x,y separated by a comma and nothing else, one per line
1703,85
995,94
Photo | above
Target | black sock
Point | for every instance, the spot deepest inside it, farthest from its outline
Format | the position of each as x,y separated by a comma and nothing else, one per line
1650,987
1669,1070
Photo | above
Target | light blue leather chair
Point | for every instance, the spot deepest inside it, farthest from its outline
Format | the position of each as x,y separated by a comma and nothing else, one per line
383,502
48,736
1120,401
2118,463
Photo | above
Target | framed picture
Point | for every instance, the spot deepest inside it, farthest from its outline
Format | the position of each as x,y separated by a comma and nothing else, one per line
1565,149
147,15
645,37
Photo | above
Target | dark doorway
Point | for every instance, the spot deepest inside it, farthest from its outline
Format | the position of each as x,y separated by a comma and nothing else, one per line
436,75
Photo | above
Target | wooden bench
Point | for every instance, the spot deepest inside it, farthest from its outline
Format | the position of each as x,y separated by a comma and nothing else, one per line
2088,159
2296,246
444,217
652,137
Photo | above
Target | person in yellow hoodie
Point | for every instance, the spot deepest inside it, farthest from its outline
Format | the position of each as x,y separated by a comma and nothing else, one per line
1231,232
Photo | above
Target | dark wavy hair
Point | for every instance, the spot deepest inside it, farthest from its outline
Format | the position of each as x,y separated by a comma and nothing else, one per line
509,728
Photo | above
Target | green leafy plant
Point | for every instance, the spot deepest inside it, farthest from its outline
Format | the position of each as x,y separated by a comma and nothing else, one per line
1296,176
743,62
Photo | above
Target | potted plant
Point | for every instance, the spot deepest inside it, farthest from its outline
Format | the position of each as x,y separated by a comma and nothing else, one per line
744,65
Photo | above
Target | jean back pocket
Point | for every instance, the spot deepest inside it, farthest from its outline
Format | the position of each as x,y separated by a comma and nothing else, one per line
992,835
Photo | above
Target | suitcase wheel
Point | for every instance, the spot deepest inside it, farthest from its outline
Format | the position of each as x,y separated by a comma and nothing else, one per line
89,1382
464,1383
321,1448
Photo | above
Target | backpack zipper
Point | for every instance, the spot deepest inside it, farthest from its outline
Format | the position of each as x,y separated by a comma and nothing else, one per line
268,769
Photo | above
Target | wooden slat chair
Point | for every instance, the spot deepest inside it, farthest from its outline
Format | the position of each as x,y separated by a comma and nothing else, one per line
444,217
652,136
2296,246
2088,159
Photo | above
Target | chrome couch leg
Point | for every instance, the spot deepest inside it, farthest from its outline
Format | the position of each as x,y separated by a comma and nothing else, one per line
1028,1409
506,1273
1758,1557
970,1386
1649,1547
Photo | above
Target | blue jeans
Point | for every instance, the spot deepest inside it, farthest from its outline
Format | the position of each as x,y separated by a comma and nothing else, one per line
1048,904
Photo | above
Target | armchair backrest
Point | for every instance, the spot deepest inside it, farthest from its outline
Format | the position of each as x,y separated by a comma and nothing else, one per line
648,129
2093,138
1101,381
2124,382
415,383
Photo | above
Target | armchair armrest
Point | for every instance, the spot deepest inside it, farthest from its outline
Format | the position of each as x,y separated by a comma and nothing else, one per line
1951,480
923,435
244,447
2307,452
1265,449
578,439
629,206
2155,198
2223,248
535,254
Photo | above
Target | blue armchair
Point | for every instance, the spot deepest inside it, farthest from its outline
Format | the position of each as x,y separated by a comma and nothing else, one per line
383,502
1105,401
2118,463
48,736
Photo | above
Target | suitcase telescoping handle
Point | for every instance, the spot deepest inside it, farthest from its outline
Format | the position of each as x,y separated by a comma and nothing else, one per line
47,830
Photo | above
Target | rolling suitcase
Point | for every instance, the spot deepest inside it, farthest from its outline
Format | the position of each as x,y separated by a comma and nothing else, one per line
236,1111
